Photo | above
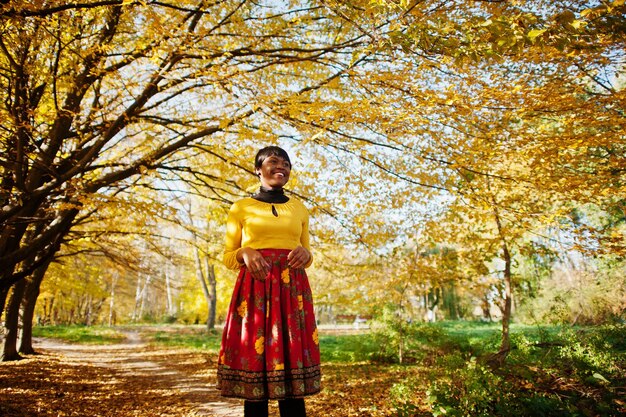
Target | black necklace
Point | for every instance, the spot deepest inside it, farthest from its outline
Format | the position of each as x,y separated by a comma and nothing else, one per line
272,196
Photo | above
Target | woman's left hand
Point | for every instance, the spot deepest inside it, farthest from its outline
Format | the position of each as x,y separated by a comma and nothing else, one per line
298,258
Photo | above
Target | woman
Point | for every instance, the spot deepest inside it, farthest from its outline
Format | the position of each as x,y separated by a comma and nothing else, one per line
270,347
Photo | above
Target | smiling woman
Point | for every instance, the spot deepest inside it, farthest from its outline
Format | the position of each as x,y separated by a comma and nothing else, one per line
273,167
270,344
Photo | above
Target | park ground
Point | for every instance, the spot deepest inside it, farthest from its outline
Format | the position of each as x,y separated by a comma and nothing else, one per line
170,370
135,378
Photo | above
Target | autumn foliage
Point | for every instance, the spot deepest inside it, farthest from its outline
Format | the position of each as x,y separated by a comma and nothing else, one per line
459,159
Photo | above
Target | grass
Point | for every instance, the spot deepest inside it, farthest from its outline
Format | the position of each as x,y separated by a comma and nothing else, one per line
347,348
334,348
93,335
186,337
469,337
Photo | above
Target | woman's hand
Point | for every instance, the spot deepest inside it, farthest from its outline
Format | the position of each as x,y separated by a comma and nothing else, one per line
298,258
256,264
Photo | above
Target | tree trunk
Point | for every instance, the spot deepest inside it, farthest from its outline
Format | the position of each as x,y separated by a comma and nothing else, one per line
144,296
49,313
505,343
203,284
28,306
432,303
137,299
485,306
168,292
87,312
9,351
3,299
212,288
140,298
96,308
450,301
112,299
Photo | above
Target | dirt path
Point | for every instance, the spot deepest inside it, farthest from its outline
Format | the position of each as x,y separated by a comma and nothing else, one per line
128,379
135,379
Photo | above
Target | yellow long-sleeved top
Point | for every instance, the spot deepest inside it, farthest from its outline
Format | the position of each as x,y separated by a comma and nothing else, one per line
251,224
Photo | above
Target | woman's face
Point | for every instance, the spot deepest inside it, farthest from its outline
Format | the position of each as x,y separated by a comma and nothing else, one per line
274,172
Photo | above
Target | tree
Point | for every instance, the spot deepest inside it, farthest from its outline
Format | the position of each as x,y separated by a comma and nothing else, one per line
95,94
28,309
535,113
79,123
205,272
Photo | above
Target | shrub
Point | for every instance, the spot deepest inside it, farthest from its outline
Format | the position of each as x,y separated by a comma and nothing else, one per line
469,388
546,374
396,336
588,352
401,396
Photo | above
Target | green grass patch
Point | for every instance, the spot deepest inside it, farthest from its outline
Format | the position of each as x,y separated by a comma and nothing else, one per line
191,338
347,348
477,338
92,335
334,348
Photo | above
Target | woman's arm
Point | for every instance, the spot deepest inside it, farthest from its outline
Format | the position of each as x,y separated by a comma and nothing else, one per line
301,257
234,255
232,241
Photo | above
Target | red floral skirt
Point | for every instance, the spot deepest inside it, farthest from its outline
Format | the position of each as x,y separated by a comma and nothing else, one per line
270,346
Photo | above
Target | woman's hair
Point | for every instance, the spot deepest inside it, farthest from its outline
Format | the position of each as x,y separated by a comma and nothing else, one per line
268,151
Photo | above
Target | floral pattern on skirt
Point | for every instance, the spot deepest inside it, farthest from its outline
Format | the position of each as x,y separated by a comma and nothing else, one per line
270,345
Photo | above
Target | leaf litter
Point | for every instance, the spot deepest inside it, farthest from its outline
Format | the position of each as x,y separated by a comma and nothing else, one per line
140,380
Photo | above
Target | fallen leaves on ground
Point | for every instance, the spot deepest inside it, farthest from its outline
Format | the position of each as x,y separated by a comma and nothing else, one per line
45,386
146,381
358,390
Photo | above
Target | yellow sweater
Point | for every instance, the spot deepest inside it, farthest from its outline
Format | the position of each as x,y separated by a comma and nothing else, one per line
251,224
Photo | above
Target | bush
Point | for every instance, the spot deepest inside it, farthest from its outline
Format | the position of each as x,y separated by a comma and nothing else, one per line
467,390
583,298
347,348
169,319
589,352
549,372
470,388
400,397
396,336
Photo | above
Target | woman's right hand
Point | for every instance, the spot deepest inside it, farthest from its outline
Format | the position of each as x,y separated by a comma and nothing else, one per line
256,264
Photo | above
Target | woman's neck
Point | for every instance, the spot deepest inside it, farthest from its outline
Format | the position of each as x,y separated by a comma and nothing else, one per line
271,195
